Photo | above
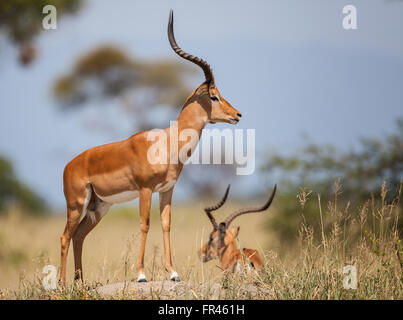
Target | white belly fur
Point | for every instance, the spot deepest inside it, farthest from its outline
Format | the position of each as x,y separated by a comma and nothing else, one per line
164,187
120,197
133,194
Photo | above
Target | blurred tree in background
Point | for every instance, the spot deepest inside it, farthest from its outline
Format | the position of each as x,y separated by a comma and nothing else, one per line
21,21
108,72
15,193
357,175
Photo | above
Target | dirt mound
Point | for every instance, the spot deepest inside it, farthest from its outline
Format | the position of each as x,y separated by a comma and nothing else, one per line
161,290
172,290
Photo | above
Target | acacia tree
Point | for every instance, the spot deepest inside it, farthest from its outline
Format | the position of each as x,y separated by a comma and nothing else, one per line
21,22
107,73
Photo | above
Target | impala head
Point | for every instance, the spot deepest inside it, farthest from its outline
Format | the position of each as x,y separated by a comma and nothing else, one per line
222,235
217,108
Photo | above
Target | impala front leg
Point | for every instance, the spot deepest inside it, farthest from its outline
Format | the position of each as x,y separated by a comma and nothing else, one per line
165,210
145,204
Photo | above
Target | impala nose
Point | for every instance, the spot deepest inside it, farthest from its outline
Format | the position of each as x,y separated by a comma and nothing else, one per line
239,115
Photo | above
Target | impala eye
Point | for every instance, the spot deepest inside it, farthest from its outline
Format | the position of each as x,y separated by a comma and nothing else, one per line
214,98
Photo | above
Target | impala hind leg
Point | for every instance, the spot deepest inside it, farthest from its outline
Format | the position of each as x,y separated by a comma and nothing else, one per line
145,204
92,218
165,211
73,219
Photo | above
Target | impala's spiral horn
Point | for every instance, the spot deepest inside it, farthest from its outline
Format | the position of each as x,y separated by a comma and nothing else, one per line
208,73
231,217
208,210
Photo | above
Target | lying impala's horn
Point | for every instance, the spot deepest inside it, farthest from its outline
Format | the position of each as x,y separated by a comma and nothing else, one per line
231,217
215,207
208,73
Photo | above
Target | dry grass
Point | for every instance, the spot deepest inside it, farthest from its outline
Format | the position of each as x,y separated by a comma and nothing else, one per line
366,238
110,250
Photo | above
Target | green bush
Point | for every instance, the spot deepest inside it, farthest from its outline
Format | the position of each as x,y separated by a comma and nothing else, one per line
15,193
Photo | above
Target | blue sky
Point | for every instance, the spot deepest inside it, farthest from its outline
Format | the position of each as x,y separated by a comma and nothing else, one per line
288,66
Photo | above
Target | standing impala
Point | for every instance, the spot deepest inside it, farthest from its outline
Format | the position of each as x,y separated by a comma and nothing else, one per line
222,241
121,171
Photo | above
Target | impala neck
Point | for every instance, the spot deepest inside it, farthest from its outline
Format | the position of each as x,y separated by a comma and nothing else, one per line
229,255
193,116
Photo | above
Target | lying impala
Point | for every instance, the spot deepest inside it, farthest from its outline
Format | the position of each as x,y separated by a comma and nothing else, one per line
222,241
121,171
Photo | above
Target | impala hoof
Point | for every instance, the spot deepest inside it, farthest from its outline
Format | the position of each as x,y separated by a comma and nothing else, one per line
141,278
175,277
